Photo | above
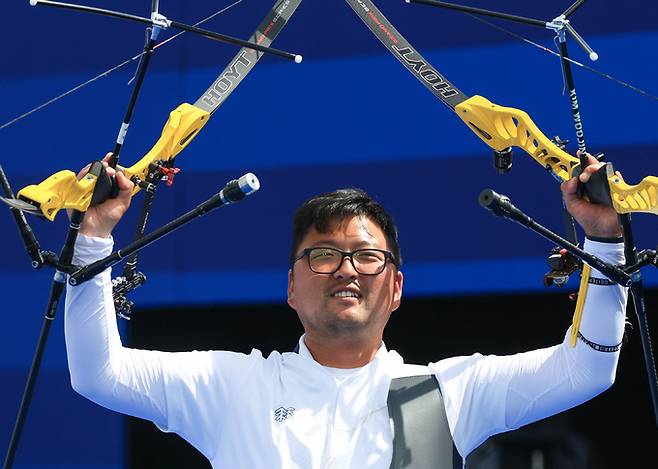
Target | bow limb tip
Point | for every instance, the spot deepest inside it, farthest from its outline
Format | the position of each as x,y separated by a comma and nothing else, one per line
22,206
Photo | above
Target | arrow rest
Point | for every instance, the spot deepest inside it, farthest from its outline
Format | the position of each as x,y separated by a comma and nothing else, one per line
168,173
561,144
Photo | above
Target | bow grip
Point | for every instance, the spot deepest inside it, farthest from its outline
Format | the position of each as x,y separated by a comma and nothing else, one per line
597,188
106,186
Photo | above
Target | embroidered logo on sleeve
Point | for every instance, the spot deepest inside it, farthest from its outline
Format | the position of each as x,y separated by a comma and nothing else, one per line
283,413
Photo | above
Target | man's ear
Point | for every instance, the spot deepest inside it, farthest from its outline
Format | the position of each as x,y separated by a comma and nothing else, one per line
291,290
397,290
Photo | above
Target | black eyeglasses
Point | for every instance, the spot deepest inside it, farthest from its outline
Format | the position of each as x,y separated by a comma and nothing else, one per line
329,260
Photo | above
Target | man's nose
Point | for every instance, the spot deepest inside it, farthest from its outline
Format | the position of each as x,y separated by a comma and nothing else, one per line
346,268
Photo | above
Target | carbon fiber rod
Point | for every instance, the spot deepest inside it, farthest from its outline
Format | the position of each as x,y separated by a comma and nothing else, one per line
163,22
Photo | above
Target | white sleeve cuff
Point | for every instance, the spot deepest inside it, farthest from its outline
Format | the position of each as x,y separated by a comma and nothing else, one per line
612,253
89,249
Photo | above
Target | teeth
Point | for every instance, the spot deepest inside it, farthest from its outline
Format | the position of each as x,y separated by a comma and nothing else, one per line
346,294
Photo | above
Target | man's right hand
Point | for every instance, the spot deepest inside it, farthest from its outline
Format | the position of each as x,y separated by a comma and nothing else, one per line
101,219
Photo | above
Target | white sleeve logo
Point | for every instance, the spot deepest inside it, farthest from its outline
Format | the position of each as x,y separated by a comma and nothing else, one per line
283,413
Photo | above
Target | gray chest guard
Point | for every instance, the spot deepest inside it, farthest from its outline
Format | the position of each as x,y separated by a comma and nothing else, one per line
421,436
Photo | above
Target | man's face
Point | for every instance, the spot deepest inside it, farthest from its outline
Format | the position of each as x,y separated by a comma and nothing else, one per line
317,297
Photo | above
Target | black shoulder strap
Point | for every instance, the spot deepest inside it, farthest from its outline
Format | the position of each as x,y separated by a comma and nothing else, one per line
421,435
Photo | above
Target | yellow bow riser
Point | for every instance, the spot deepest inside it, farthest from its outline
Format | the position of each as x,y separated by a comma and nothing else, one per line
642,197
502,127
62,190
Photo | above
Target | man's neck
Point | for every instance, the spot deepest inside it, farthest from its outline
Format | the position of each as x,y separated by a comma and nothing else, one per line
337,353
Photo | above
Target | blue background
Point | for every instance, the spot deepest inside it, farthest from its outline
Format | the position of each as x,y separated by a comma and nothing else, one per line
348,115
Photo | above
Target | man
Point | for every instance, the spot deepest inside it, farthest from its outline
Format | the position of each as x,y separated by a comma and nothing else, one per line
325,405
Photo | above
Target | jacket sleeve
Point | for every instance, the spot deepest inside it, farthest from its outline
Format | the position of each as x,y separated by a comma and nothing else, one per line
182,392
485,395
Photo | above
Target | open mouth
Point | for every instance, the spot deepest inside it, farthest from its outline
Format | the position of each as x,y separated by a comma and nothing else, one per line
345,294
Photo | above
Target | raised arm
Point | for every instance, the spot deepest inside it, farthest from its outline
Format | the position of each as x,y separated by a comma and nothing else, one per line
180,392
487,395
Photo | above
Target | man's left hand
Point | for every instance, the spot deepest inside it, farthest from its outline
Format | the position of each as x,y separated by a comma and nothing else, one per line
597,220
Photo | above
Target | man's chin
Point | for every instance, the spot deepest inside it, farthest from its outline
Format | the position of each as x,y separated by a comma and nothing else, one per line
348,320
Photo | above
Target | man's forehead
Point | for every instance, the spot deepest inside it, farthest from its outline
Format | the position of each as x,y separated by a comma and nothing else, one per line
357,226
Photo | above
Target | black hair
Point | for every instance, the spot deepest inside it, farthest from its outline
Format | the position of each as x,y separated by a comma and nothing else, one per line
323,211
